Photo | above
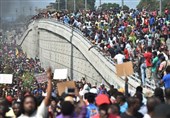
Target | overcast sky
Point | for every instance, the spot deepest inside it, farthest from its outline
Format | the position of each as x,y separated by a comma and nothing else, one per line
10,8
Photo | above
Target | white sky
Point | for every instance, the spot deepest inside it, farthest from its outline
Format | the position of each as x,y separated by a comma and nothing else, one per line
27,4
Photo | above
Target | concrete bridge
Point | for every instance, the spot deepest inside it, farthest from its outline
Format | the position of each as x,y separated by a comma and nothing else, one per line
62,46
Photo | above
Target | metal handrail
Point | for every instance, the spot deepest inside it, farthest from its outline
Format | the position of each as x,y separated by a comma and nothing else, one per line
134,77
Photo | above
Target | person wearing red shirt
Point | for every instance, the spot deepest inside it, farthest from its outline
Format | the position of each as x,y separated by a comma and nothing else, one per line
146,21
125,23
148,62
126,53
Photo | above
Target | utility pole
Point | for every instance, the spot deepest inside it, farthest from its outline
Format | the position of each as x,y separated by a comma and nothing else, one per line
100,2
23,10
85,4
122,3
58,5
30,11
74,5
160,7
16,12
65,4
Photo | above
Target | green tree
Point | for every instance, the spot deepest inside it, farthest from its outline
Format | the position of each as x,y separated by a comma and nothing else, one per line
106,6
28,79
166,4
125,7
80,4
153,4
148,4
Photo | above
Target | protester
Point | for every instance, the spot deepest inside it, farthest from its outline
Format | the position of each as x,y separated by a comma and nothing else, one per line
162,111
4,107
29,103
16,106
166,78
151,104
123,35
133,107
91,107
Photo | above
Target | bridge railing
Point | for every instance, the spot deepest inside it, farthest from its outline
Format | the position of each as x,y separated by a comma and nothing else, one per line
150,84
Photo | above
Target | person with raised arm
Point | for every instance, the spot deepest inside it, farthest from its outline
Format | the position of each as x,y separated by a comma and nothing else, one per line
29,106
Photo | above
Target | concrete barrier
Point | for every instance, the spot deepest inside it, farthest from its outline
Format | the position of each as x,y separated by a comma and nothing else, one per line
62,46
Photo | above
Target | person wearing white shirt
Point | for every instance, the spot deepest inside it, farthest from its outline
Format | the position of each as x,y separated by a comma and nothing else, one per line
119,58
128,47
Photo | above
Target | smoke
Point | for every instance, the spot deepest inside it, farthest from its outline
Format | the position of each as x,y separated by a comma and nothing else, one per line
14,8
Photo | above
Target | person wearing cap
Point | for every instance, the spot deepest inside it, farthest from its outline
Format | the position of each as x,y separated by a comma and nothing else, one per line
103,103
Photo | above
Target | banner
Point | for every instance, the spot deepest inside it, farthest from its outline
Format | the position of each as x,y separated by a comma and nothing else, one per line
41,78
6,78
124,69
60,74
61,87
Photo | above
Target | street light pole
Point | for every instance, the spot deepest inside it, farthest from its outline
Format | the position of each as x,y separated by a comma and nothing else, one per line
65,4
85,4
100,3
30,11
160,7
122,3
58,5
74,5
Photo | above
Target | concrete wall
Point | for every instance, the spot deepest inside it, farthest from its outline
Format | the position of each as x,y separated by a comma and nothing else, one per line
60,46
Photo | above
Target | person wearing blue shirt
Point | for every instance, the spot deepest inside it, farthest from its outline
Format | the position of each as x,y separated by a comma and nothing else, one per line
91,107
152,20
121,100
66,19
166,78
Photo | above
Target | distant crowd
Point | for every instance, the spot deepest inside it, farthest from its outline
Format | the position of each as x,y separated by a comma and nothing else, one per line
138,36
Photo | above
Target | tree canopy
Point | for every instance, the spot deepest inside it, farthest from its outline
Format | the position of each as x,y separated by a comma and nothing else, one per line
153,4
80,4
27,79
107,6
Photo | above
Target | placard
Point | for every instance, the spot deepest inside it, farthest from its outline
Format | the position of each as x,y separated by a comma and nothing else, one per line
41,78
63,85
60,74
6,78
129,68
124,69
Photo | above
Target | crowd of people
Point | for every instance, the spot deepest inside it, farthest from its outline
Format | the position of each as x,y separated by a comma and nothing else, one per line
140,37
123,35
